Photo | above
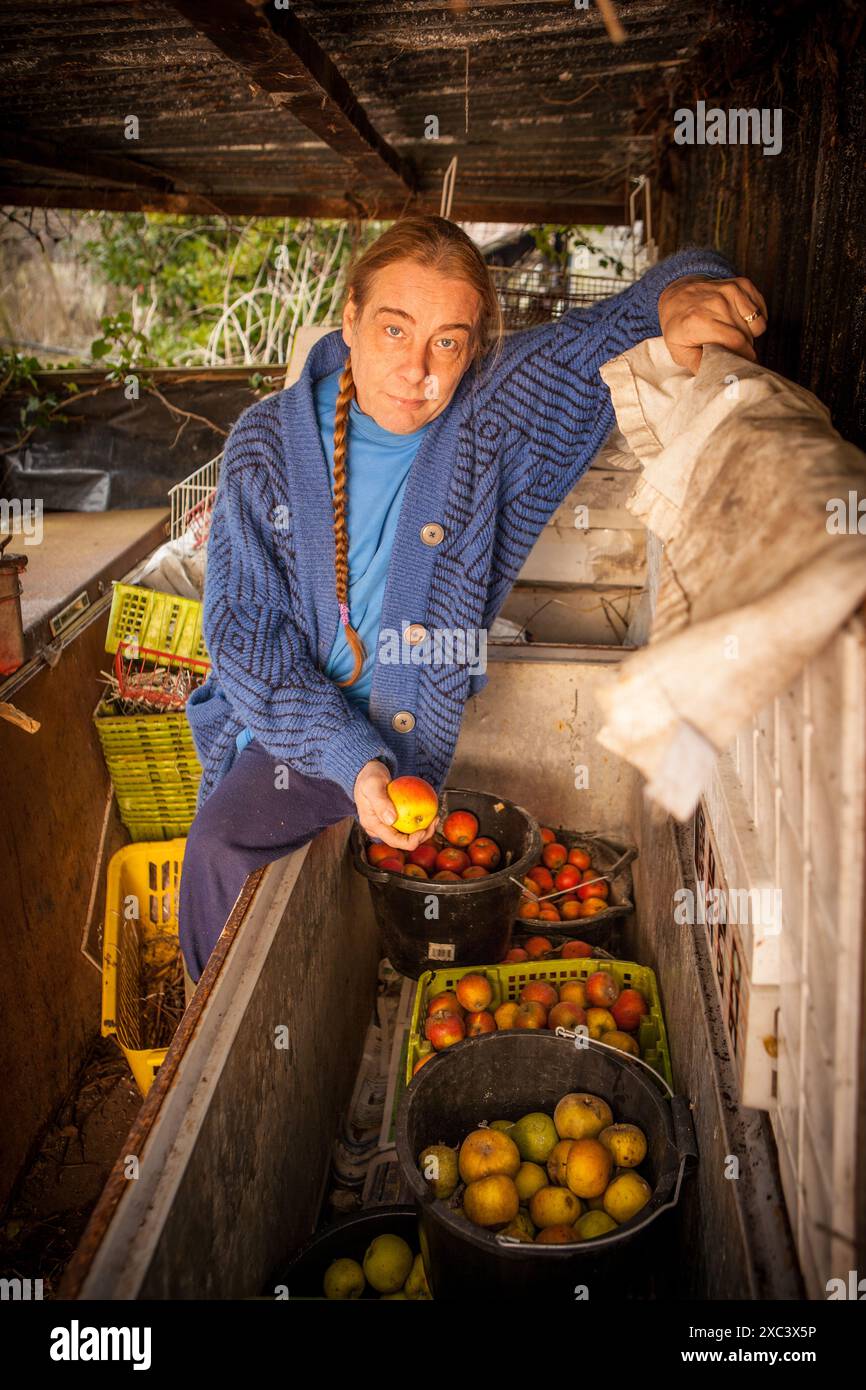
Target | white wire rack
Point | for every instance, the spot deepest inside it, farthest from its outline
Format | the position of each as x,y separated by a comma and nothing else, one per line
192,503
530,295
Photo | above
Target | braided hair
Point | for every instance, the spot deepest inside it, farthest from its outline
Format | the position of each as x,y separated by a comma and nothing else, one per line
345,396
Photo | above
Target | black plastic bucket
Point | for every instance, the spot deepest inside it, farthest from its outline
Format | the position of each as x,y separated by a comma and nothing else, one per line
501,1076
609,856
347,1238
474,918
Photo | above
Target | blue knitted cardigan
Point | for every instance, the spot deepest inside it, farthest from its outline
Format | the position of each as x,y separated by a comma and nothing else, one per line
490,471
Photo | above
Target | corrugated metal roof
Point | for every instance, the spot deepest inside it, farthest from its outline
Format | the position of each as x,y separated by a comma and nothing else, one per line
325,109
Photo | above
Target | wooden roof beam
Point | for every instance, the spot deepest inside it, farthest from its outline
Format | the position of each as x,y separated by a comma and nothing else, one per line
274,50
32,152
296,204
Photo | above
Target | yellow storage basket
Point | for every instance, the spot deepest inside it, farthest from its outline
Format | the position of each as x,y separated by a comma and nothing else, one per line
141,934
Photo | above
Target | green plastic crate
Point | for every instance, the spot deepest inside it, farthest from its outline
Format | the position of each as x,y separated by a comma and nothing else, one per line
160,622
152,736
139,776
508,980
164,803
153,830
154,768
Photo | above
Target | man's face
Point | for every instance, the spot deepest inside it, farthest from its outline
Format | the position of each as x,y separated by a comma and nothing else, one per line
410,345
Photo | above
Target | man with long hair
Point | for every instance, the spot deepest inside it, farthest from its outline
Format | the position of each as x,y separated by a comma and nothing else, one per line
394,492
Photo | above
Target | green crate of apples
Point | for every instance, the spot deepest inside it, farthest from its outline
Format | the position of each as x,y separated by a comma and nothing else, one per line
616,1001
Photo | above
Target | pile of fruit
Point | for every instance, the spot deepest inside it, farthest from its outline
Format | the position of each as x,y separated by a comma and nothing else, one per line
609,1013
459,852
579,889
389,1268
560,888
548,1180
537,947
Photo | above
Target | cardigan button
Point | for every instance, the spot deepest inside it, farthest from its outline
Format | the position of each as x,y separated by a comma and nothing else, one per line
414,633
432,533
403,721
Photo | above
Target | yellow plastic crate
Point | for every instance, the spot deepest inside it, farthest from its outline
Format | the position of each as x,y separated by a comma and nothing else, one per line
154,768
141,922
508,980
159,622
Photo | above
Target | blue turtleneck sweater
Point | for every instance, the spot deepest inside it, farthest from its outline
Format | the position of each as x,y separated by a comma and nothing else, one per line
377,473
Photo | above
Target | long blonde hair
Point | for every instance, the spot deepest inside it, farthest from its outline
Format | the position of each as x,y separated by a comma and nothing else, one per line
436,244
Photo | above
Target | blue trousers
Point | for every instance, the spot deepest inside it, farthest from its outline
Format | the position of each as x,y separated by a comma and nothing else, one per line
252,817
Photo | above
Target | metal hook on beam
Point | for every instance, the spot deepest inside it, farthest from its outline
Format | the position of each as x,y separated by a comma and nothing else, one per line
448,183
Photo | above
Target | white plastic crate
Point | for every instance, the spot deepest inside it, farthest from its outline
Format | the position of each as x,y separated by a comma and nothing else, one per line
786,809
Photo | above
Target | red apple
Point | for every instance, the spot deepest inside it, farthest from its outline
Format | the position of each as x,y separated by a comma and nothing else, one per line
414,871
547,835
446,876
576,950
456,860
602,990
474,991
567,877
460,828
579,858
629,1009
549,912
541,992
543,877
531,1015
377,852
394,866
425,855
446,1002
478,1023
554,855
444,1029
484,851
538,946
516,954
475,871
566,1015
597,889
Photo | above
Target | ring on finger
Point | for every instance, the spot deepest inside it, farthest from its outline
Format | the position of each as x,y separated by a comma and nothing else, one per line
749,318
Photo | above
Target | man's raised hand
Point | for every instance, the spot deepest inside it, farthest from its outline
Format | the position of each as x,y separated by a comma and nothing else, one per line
694,311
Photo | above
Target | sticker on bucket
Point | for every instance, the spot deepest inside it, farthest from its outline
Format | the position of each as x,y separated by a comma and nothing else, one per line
440,950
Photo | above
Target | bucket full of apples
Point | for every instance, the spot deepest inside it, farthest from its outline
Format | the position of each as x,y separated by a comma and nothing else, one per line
453,899
581,883
543,1169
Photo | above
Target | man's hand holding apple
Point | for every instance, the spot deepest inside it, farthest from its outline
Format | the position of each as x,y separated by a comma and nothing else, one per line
376,810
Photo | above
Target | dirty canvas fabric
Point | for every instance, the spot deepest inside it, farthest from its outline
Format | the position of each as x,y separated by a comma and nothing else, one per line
739,467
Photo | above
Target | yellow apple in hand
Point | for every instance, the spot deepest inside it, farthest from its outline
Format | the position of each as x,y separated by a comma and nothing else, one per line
415,801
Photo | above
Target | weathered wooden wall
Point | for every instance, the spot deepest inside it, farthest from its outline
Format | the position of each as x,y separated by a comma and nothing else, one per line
793,222
55,786
235,1137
